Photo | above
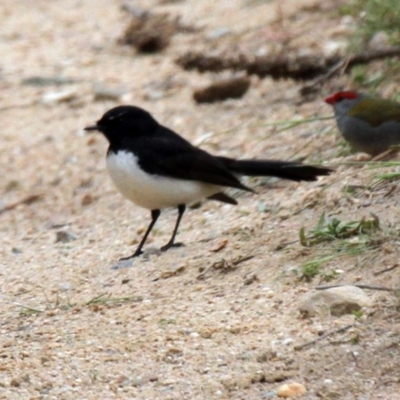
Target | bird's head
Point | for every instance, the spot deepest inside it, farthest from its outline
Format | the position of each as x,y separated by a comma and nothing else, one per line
124,122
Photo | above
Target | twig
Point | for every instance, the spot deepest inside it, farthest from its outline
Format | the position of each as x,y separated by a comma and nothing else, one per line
373,55
241,260
361,286
382,271
27,200
345,65
13,106
316,83
235,263
281,66
322,337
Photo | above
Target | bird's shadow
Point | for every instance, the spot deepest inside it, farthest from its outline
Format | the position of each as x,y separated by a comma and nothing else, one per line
130,262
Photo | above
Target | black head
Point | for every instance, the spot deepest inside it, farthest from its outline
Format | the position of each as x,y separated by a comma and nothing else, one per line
124,122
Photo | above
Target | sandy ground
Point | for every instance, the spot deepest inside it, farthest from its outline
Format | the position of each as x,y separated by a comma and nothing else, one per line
177,325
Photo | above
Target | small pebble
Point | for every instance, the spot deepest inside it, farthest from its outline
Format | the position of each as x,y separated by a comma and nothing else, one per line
250,278
268,395
65,286
87,199
107,93
290,389
379,41
217,33
59,97
65,237
339,271
48,80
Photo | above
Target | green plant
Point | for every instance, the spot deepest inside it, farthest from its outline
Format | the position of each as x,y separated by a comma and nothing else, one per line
357,314
373,16
105,298
337,238
26,311
388,177
330,275
310,270
328,230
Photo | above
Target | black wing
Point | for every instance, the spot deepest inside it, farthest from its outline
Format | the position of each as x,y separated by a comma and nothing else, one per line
168,154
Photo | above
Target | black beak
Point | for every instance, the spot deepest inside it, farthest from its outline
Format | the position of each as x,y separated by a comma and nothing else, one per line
91,128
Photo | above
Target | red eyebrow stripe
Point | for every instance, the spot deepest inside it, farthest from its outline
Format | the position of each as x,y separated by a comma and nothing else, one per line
340,96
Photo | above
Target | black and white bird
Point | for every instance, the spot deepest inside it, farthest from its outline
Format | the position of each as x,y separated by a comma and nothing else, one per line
155,168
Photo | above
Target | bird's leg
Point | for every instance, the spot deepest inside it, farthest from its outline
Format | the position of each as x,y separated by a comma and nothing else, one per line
181,210
154,216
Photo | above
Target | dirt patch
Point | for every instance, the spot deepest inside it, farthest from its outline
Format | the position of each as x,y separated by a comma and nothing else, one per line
228,88
150,33
218,318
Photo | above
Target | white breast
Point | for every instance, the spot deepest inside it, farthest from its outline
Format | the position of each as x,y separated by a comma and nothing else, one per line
153,191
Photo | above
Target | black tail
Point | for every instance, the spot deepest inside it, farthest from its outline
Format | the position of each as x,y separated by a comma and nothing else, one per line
294,171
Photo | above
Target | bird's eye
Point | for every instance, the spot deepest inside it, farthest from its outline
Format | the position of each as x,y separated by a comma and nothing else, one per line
339,98
118,117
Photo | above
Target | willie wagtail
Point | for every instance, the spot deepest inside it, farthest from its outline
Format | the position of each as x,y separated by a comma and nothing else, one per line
155,168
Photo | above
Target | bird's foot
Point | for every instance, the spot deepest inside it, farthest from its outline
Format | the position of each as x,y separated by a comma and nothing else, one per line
169,245
135,254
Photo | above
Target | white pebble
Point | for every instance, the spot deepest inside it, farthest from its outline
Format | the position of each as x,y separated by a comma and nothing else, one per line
59,97
65,287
